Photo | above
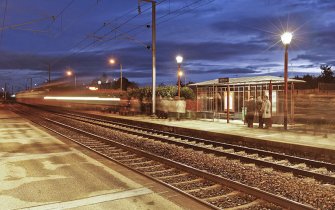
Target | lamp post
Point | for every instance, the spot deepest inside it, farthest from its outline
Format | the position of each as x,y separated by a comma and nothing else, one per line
179,60
112,61
286,39
70,73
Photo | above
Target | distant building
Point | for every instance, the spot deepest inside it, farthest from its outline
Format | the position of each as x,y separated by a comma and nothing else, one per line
212,96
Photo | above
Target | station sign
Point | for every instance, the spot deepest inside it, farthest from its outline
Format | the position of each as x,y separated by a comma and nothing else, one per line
224,80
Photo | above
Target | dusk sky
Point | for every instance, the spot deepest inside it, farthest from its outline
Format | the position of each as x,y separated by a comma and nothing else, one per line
216,38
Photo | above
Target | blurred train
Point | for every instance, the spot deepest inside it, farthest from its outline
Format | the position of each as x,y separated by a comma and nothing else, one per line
77,100
62,94
105,100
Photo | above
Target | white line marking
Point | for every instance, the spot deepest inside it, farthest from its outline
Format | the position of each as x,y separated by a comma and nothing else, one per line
30,138
92,200
14,123
12,157
27,128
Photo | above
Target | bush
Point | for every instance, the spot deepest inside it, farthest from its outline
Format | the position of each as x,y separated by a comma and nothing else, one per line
163,91
187,93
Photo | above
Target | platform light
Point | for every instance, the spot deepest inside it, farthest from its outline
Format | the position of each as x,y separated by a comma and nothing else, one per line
286,38
179,59
112,61
69,73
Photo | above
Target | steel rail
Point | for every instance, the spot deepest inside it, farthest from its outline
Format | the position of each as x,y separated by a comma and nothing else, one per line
259,162
114,160
272,198
292,159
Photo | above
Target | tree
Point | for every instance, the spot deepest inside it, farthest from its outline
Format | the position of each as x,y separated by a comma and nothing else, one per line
327,75
125,84
104,77
311,82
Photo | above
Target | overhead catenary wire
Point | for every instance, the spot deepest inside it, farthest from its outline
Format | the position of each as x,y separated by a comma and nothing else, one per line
74,21
122,24
180,11
99,41
3,20
104,35
59,14
129,31
183,13
14,26
65,8
102,27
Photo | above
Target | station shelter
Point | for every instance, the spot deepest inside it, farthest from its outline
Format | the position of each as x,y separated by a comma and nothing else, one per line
213,97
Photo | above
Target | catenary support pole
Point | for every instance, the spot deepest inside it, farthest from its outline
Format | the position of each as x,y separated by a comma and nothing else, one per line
153,57
120,76
49,70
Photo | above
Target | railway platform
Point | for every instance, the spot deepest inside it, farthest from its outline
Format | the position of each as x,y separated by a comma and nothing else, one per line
318,144
40,171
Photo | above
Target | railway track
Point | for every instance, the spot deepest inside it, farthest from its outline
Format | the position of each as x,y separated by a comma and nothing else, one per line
216,191
320,171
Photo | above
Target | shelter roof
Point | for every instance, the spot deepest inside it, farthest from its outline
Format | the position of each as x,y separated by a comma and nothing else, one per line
246,81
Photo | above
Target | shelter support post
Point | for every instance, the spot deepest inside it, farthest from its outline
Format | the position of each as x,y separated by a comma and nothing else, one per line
228,102
292,103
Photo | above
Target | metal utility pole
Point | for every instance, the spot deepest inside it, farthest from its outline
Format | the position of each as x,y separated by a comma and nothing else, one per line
5,91
31,83
49,69
179,74
121,77
153,53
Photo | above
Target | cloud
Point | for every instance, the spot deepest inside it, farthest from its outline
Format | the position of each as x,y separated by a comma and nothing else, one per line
216,39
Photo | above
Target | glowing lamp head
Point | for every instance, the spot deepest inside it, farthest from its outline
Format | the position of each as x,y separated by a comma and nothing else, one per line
111,61
286,38
179,59
180,73
69,73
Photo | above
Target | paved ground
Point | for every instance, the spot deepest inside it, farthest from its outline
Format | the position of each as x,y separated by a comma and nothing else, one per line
236,127
38,171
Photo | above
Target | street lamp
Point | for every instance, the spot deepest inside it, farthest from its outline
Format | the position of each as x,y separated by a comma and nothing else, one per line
112,61
286,39
70,73
179,60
